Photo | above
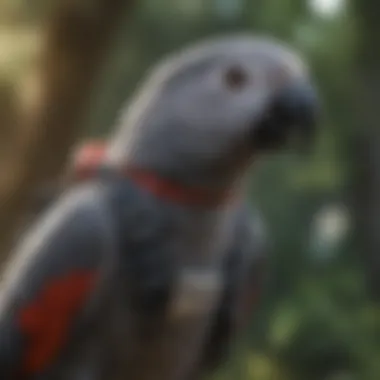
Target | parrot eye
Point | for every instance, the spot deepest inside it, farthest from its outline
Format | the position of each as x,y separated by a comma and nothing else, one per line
235,78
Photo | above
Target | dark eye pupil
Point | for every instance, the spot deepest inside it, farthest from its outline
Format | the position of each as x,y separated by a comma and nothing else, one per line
235,78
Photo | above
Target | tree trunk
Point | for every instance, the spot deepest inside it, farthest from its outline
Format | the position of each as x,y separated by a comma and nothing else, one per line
78,35
366,146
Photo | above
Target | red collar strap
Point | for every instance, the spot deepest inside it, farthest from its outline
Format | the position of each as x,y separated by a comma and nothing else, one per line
175,192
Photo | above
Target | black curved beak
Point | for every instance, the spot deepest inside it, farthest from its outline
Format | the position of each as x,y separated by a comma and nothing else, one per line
293,113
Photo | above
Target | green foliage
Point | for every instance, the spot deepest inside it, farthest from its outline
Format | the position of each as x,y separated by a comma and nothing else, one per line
327,326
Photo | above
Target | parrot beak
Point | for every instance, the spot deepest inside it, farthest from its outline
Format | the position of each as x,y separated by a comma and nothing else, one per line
292,114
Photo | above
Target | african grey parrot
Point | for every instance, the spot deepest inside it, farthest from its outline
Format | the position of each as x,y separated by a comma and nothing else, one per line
149,269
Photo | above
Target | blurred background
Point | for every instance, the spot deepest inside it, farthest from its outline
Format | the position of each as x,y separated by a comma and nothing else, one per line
320,318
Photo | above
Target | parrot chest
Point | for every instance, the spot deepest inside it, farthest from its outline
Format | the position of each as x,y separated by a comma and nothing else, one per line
169,330
162,297
169,340
170,298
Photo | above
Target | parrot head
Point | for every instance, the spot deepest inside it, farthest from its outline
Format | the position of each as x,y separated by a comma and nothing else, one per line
205,112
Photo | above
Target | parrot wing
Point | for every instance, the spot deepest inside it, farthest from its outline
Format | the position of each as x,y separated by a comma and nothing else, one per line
50,280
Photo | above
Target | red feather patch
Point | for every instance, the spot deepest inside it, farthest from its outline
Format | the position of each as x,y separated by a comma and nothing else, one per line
47,320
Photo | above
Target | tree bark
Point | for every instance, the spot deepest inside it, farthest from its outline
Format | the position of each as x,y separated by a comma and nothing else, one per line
366,145
78,34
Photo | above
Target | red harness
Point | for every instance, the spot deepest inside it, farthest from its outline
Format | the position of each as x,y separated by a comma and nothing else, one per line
88,159
176,192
